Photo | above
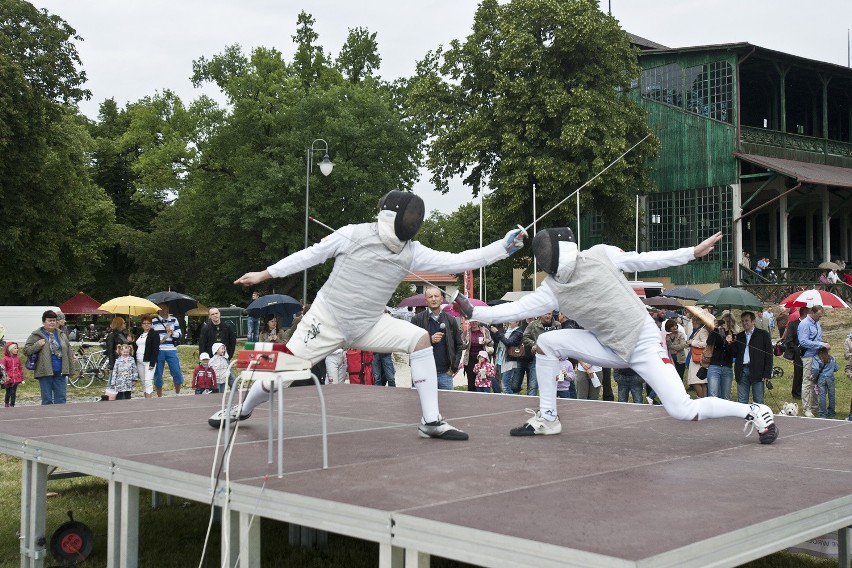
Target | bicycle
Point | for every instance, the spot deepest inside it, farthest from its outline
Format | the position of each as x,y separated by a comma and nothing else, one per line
93,365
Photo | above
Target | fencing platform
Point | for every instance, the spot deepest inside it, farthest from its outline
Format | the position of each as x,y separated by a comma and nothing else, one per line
624,485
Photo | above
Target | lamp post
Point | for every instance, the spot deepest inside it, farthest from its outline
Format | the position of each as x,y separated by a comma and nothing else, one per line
325,167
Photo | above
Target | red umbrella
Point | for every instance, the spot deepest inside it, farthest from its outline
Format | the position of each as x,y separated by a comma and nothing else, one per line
81,303
473,302
810,298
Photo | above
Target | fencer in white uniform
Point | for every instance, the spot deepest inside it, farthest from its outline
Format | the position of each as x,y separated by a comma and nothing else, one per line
370,260
589,287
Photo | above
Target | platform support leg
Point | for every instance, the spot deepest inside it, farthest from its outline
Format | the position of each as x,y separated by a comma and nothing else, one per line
416,559
391,556
843,537
33,513
123,526
249,541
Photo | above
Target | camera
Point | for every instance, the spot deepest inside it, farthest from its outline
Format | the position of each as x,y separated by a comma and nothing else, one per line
769,384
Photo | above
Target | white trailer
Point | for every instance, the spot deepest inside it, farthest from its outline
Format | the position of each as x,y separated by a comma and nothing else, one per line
20,321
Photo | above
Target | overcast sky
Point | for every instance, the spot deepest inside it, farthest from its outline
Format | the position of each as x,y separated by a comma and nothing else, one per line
133,49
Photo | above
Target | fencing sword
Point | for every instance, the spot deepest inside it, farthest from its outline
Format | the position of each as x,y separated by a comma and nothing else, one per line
596,176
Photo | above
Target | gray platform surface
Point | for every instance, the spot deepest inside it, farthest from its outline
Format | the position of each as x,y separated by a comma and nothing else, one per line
623,485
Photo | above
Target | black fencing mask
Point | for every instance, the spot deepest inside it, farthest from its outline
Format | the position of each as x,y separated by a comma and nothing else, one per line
545,247
409,210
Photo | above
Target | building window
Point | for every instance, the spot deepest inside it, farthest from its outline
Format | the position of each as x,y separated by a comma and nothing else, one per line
596,224
663,84
709,88
681,219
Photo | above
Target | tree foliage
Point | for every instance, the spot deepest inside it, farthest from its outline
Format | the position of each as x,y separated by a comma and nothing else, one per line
55,222
535,97
237,177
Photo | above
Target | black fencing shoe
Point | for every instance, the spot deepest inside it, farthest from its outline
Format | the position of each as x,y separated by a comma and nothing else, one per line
440,429
218,419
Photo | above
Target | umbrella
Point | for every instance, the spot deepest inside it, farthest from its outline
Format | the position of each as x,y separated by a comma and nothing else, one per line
515,296
828,265
662,302
473,302
178,303
810,298
81,303
416,301
278,304
497,302
683,293
129,305
731,299
198,311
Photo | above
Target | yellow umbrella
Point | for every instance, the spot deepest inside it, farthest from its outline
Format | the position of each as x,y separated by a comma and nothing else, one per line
197,311
130,305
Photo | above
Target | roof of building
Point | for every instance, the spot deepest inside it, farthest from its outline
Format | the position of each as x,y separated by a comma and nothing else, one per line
757,50
803,172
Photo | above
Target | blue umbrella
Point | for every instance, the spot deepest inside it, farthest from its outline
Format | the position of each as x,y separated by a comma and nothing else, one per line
280,305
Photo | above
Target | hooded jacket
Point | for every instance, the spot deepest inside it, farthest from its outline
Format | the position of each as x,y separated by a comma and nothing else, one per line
12,364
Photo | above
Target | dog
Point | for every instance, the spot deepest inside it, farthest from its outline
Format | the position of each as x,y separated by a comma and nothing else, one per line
789,409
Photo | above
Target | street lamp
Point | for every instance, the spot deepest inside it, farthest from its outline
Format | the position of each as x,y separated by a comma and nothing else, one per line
325,167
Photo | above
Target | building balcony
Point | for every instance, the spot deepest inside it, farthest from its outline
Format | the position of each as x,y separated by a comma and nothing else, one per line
776,144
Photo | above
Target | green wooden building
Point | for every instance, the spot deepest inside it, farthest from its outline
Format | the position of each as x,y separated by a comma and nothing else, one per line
753,142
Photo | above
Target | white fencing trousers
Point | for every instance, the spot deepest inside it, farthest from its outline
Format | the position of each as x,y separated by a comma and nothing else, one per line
648,359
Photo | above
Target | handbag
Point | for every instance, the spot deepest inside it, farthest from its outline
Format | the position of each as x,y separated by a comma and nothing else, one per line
31,362
706,356
518,351
697,353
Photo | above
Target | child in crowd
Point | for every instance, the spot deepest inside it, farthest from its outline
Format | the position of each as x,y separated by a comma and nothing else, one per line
565,380
483,372
14,373
221,365
204,377
823,368
124,372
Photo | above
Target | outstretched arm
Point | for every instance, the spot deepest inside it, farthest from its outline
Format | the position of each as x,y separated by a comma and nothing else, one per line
327,248
656,260
428,260
532,305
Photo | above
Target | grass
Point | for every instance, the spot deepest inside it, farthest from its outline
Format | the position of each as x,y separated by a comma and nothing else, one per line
172,536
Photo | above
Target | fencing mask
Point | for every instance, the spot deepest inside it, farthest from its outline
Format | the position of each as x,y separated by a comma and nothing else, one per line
545,247
409,210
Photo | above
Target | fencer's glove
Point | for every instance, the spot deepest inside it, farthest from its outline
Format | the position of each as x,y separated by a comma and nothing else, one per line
462,304
514,240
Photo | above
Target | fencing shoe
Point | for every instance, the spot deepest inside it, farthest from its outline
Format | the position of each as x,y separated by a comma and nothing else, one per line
537,425
440,429
760,418
218,419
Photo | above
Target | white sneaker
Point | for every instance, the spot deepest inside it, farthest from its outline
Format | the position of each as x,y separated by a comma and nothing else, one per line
218,419
537,425
760,418
808,413
440,429
650,400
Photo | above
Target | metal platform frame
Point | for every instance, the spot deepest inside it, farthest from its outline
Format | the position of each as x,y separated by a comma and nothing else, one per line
406,537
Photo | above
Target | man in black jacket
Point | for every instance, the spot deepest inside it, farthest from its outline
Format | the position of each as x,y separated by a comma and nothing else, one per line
216,331
754,360
445,335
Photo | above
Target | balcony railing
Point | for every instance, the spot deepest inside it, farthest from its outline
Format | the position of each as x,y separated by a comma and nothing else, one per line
798,142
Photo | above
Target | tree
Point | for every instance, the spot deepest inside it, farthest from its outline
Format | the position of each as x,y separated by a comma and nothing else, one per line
359,56
55,222
535,96
237,177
